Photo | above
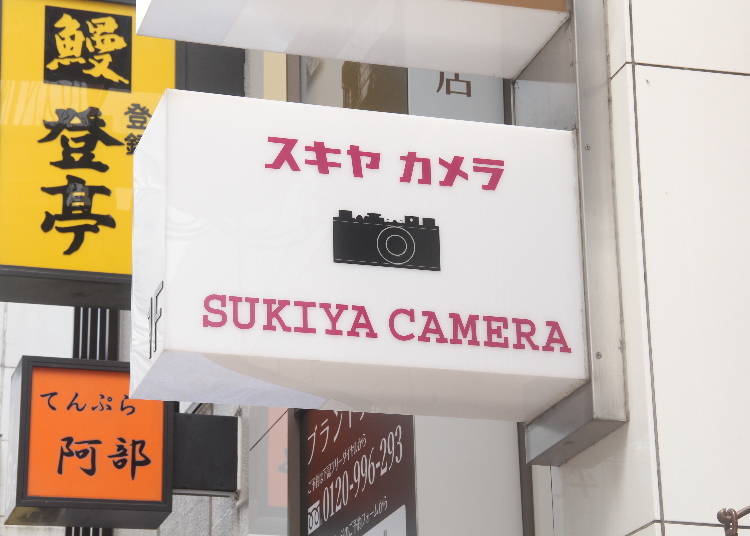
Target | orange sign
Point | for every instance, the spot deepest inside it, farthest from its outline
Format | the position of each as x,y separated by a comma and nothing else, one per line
89,440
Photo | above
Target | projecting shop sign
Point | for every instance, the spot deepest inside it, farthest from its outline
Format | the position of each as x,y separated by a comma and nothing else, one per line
85,453
358,474
77,89
287,254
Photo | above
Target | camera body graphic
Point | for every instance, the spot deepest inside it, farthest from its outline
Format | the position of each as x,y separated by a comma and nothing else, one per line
371,240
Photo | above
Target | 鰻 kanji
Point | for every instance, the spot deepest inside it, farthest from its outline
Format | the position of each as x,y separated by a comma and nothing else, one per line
100,41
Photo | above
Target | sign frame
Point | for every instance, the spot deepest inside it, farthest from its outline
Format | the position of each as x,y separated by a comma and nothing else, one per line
84,512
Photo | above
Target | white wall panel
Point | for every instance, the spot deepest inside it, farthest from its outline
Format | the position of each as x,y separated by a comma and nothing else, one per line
43,330
541,477
618,28
651,530
693,530
467,477
694,142
693,33
611,488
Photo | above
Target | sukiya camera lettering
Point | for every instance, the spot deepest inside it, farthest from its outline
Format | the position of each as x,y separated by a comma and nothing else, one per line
484,170
404,324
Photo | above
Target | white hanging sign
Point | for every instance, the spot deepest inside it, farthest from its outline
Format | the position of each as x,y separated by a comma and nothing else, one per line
304,256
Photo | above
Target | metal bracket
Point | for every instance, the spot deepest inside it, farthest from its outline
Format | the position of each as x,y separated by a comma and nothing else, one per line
729,517
599,407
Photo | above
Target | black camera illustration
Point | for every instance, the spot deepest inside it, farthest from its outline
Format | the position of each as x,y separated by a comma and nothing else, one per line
371,240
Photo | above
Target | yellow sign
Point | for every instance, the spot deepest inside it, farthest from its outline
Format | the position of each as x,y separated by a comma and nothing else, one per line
77,89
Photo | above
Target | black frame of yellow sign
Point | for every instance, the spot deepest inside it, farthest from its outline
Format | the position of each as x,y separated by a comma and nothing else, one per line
25,274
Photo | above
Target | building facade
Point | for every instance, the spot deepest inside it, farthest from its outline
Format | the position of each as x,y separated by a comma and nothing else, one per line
658,94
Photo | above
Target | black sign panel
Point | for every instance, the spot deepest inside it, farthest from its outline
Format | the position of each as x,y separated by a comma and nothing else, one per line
358,474
87,48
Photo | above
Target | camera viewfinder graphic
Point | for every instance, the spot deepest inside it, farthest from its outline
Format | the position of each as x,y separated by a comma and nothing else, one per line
371,240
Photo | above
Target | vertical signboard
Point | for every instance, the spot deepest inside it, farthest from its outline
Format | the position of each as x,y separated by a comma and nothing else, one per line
87,453
358,474
456,95
77,90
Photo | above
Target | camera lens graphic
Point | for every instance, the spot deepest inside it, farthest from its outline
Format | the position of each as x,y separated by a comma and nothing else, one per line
396,245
